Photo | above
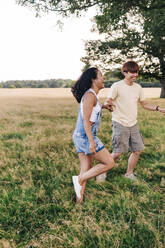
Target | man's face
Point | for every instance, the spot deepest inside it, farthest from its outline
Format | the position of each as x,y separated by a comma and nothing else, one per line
131,76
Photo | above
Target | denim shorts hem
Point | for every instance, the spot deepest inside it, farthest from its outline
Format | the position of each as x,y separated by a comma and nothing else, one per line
82,144
101,148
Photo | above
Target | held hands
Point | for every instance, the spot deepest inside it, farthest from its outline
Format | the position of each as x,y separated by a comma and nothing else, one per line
92,147
110,107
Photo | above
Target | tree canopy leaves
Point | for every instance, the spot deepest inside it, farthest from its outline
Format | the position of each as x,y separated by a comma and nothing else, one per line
129,30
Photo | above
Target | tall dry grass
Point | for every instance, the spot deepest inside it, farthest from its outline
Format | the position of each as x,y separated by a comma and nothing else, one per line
37,200
62,92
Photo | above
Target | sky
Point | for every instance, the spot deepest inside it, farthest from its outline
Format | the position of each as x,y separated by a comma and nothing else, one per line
34,48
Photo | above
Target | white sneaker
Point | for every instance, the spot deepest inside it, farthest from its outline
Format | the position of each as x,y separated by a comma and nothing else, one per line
101,177
131,176
77,186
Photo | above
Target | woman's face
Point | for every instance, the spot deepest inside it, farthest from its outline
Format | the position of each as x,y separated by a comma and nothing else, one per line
99,81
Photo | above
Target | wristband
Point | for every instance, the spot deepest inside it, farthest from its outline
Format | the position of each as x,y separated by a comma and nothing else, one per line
157,108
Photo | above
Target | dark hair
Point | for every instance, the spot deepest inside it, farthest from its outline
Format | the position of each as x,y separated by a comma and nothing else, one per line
130,66
84,83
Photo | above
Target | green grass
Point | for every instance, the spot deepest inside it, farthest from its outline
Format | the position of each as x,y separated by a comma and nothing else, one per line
37,200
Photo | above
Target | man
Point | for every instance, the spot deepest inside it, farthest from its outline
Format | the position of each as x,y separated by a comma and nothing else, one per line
123,98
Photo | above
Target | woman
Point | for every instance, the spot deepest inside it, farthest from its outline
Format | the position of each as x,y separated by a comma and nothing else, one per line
85,138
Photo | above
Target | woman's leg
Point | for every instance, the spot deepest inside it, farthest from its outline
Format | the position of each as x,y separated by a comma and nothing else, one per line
106,163
102,177
85,165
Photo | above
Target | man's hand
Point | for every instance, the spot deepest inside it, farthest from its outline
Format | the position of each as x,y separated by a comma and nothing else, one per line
108,104
110,107
162,110
151,107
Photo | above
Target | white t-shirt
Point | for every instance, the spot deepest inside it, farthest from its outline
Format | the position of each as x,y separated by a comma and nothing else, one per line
125,98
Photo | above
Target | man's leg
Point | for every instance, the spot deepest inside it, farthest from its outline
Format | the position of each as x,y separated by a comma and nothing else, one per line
136,146
132,161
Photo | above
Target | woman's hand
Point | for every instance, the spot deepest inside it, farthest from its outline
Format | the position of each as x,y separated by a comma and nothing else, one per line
92,147
108,104
110,107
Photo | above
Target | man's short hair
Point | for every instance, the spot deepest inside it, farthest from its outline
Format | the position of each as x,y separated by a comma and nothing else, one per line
130,66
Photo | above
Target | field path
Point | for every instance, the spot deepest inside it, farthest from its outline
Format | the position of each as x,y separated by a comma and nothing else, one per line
62,92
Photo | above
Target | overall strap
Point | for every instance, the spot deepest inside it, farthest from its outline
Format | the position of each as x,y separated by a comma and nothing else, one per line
98,101
91,90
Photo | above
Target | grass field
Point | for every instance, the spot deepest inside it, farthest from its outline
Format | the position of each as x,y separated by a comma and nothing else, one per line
37,200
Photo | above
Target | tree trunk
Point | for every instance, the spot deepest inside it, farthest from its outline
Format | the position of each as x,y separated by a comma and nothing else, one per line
162,93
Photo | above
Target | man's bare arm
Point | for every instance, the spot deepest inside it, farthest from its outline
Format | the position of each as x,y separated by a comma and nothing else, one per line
149,106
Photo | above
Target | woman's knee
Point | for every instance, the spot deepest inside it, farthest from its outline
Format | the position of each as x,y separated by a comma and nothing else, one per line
110,164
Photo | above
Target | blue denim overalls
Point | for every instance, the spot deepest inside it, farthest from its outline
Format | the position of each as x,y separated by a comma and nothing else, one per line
79,136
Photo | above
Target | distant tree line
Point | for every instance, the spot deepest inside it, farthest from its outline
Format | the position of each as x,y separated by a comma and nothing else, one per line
62,84
110,78
50,83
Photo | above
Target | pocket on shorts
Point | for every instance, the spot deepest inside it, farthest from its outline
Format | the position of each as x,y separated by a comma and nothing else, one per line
117,128
136,143
142,137
116,141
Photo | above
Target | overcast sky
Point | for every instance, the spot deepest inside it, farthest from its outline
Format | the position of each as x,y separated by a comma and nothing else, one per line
35,48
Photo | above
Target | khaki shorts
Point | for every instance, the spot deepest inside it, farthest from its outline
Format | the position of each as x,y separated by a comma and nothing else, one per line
124,138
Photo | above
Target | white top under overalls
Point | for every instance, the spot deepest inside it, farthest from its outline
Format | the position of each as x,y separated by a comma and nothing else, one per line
96,109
